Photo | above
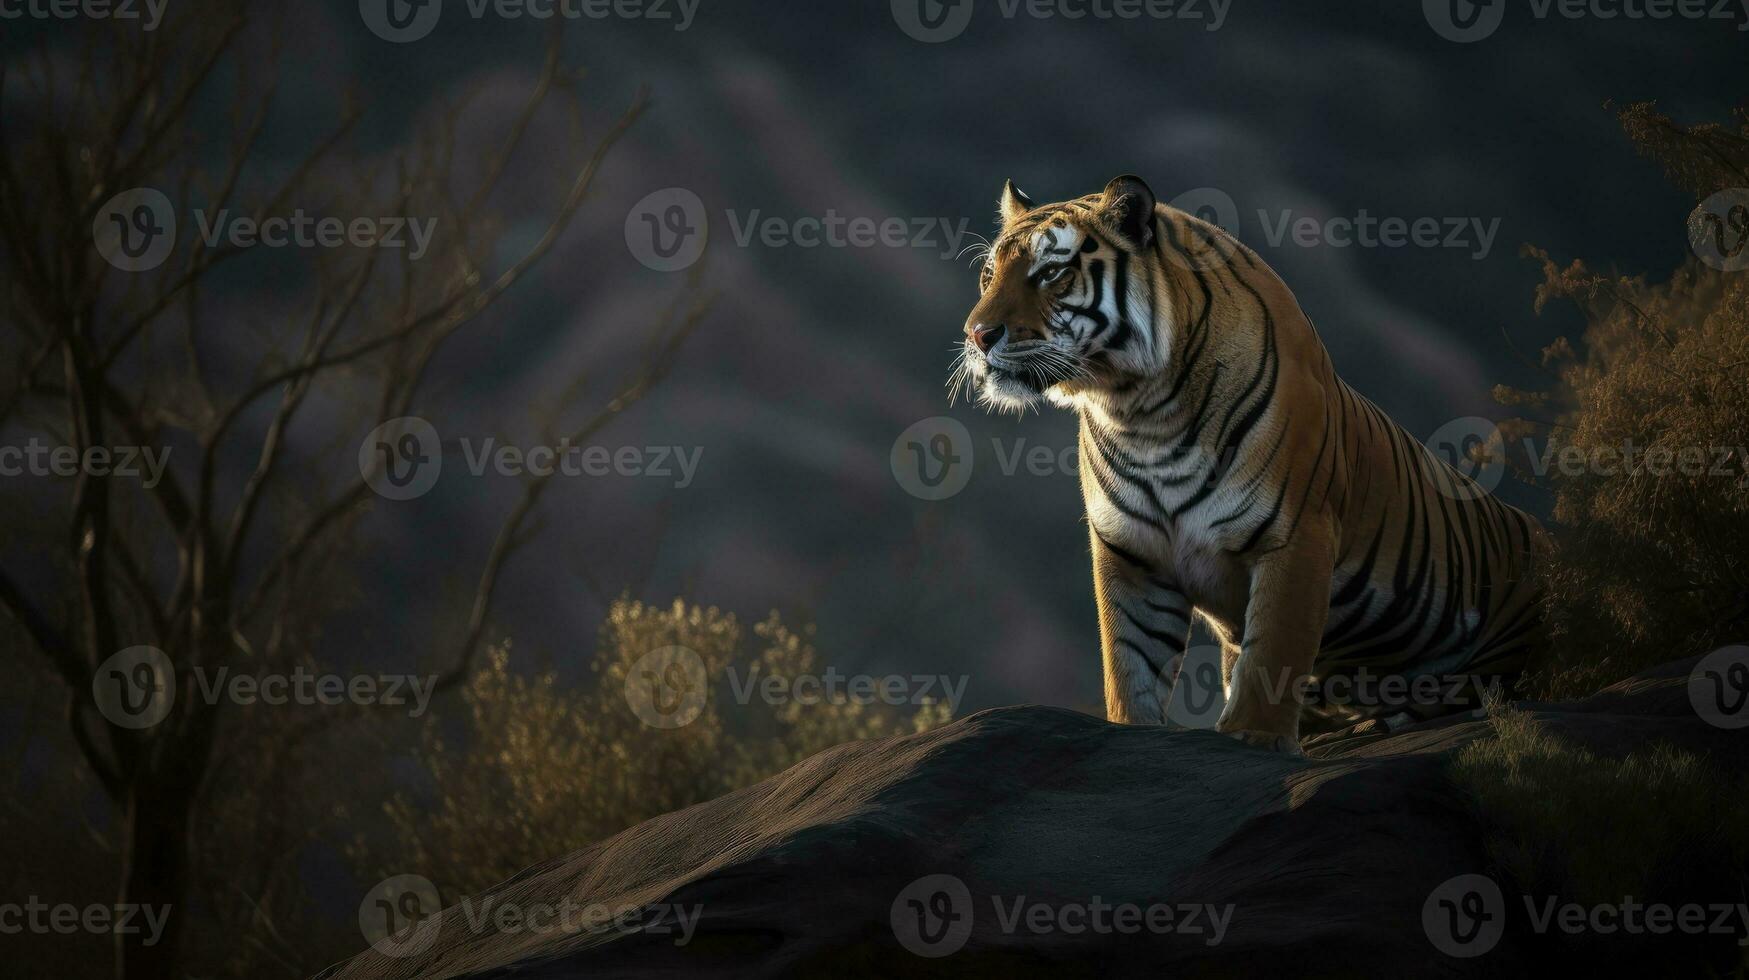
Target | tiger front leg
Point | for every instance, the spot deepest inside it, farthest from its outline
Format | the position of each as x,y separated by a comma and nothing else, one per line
1144,623
1284,622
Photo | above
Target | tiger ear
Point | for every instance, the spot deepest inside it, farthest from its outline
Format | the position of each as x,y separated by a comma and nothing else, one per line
1013,203
1128,207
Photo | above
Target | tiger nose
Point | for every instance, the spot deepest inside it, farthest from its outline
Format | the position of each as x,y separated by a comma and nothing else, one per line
986,336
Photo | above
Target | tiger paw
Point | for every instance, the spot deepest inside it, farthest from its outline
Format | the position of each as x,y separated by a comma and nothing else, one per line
1284,744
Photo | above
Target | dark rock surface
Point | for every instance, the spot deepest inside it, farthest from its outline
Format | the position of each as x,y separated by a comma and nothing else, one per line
1325,862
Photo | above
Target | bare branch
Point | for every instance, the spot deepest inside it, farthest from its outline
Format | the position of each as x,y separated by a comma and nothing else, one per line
656,367
49,639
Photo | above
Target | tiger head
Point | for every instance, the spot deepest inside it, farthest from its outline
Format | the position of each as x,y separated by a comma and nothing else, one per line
1065,308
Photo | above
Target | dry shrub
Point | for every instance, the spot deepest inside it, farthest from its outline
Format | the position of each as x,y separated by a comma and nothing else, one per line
537,768
1644,454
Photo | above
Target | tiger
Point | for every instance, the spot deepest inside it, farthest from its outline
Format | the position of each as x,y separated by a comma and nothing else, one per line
1229,475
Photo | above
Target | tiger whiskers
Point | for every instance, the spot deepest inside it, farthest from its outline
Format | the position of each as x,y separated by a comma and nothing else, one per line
1047,364
960,378
979,250
1041,364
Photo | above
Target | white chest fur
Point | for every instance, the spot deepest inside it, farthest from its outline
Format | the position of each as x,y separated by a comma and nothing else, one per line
1186,550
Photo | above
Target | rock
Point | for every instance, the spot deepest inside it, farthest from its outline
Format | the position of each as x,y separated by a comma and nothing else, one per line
1320,866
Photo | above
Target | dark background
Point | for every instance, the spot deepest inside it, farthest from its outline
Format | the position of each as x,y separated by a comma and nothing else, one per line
813,361
810,362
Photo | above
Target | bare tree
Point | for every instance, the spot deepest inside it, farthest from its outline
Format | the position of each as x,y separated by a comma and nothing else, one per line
220,563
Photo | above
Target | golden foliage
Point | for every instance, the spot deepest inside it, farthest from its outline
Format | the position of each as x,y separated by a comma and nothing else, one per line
1649,477
537,768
